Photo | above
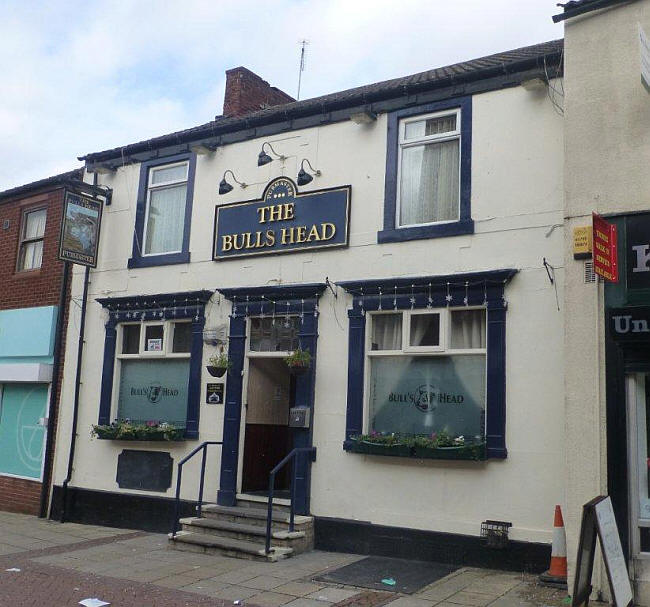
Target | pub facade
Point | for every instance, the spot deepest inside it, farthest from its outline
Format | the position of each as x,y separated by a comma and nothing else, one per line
359,277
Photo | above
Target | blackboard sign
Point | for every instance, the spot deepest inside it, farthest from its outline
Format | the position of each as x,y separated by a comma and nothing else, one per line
144,470
598,519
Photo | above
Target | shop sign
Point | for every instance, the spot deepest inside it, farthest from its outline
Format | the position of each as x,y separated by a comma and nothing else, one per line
79,241
630,324
282,221
637,229
582,242
605,253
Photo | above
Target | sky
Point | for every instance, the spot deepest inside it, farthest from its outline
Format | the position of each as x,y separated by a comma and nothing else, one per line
79,77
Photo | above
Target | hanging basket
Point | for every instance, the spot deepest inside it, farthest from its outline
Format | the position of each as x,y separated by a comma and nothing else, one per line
216,371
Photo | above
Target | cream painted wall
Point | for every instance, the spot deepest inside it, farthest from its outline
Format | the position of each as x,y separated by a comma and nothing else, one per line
517,165
607,150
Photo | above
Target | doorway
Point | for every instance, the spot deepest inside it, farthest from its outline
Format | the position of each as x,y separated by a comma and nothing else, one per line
637,386
267,436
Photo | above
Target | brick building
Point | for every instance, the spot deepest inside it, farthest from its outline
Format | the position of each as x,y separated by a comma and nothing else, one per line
30,306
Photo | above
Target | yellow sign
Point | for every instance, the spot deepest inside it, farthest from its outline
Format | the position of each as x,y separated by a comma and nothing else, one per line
582,242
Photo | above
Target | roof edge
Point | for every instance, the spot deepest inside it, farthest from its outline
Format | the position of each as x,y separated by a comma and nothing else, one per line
573,9
56,181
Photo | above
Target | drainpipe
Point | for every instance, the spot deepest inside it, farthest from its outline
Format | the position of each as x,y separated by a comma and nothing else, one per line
54,388
75,410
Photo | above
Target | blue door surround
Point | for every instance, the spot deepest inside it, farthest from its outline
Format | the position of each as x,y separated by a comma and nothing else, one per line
299,300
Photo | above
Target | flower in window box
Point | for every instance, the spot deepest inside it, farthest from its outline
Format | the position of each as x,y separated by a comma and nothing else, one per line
298,361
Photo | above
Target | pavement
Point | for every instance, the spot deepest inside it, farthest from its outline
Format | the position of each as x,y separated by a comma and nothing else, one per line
62,564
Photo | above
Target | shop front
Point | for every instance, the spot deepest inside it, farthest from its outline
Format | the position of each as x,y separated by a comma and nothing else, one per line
26,351
627,329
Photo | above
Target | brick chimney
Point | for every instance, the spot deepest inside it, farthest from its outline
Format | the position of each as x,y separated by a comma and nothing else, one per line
246,92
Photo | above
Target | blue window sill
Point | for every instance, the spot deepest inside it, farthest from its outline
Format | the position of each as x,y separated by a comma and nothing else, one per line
159,260
421,232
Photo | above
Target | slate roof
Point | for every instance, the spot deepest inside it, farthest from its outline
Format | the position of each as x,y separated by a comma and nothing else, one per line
48,182
466,71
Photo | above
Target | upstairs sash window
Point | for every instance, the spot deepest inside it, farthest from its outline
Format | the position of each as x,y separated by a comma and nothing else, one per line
30,254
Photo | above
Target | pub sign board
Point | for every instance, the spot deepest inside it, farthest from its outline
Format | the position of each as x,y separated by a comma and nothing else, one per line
605,249
282,221
79,241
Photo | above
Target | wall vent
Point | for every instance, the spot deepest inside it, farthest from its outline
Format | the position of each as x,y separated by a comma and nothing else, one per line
590,275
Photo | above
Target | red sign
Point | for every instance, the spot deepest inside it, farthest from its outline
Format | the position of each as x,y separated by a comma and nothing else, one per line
605,253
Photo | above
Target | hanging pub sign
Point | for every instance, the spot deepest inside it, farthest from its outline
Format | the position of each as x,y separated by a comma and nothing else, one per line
79,240
604,245
282,221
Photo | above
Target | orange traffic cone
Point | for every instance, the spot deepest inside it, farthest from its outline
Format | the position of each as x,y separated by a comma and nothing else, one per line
557,572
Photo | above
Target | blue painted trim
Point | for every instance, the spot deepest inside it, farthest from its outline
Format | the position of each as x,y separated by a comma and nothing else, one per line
479,288
226,496
108,369
290,291
465,225
421,232
189,304
138,260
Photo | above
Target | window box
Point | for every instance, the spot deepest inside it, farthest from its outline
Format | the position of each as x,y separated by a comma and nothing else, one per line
139,432
472,451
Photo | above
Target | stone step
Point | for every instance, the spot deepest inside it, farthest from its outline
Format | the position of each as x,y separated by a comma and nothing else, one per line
255,516
245,500
209,544
300,541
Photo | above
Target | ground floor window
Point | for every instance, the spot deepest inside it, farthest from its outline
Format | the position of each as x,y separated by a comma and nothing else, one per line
22,429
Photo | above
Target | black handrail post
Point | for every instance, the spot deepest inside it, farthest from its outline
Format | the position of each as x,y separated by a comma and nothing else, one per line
269,515
202,481
293,492
178,500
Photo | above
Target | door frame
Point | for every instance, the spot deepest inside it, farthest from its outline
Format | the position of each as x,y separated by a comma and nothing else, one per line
301,300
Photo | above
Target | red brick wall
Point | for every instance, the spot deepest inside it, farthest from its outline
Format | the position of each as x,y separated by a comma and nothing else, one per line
246,92
24,290
19,495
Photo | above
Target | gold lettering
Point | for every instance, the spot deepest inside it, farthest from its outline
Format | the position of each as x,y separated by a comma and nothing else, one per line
324,231
288,210
275,212
247,239
270,238
602,235
301,234
226,243
601,247
313,234
235,239
287,235
262,212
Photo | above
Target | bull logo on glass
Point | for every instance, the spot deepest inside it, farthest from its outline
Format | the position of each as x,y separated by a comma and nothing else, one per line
282,221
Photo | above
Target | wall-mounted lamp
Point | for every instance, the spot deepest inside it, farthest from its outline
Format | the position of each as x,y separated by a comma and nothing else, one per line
303,176
225,187
263,158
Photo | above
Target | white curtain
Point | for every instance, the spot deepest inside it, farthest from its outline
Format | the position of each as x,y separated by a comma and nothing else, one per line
421,324
429,183
35,224
387,332
166,220
468,329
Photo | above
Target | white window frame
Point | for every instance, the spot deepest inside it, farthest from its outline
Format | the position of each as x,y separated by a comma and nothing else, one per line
444,349
165,353
161,186
261,354
25,241
403,144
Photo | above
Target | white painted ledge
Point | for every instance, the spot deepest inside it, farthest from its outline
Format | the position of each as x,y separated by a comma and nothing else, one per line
26,372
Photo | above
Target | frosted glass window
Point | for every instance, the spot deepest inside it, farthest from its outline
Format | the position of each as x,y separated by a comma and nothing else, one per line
167,174
428,394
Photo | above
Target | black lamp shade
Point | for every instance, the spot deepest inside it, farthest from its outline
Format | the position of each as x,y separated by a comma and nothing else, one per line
304,177
263,158
224,187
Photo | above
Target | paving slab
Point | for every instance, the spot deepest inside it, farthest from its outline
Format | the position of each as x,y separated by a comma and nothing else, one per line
298,588
333,595
303,602
472,599
409,601
263,582
271,599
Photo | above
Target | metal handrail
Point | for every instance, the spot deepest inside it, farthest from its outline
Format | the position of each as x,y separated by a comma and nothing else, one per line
202,447
269,516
